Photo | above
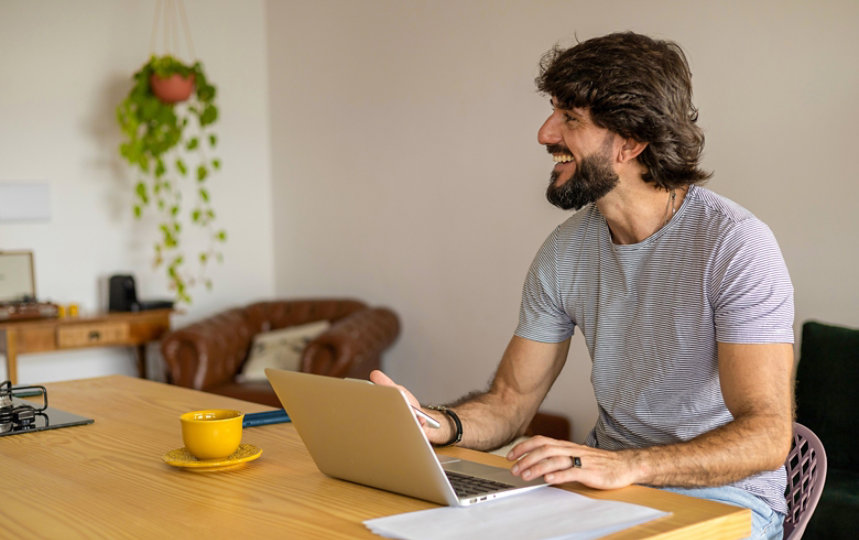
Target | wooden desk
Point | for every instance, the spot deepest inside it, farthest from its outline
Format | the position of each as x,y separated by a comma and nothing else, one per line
107,479
107,330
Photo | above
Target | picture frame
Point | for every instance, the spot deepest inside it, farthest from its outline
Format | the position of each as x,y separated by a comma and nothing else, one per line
17,277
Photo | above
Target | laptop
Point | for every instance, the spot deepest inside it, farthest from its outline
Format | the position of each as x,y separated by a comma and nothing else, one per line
368,434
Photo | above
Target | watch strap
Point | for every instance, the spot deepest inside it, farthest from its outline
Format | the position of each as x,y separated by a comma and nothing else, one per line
457,435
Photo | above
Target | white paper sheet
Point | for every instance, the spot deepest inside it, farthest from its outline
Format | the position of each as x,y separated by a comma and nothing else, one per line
547,513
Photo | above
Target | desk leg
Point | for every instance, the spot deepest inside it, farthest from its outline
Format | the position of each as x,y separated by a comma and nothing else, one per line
11,352
141,361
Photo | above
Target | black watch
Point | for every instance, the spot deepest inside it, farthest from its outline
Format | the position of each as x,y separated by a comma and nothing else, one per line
457,436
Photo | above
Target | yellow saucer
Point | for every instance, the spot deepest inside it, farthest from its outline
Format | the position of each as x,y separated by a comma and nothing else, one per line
182,458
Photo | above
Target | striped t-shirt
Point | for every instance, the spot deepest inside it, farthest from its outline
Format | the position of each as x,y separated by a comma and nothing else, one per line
651,314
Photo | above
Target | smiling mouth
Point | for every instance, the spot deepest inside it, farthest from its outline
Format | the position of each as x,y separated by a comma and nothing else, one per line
560,153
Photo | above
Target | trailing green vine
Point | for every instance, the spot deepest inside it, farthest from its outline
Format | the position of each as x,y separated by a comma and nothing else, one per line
165,143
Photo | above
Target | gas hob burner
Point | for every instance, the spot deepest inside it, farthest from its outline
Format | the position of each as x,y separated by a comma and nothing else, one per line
18,415
22,416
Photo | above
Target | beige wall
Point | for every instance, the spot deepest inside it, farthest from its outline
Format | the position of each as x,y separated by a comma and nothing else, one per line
64,67
406,170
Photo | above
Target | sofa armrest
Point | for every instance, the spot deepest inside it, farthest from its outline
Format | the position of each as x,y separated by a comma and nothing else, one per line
551,425
208,352
353,346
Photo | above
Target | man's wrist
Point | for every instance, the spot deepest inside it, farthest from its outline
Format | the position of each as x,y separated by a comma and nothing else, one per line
638,461
456,435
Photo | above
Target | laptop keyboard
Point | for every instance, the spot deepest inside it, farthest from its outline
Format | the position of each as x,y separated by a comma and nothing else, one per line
467,486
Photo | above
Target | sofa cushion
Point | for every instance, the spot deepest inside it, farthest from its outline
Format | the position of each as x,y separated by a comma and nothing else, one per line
279,349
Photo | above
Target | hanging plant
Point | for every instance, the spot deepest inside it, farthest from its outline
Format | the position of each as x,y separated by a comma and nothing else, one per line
167,139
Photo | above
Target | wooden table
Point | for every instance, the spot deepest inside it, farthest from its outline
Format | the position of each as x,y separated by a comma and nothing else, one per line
107,479
106,330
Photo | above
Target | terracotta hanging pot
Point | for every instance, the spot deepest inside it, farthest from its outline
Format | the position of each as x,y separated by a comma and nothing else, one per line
172,89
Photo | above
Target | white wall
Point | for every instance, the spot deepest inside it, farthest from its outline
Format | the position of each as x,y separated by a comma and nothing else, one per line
406,170
66,66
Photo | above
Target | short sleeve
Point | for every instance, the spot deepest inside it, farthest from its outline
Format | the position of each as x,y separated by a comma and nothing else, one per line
541,315
753,300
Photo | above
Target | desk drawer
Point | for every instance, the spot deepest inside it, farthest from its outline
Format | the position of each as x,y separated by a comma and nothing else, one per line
83,335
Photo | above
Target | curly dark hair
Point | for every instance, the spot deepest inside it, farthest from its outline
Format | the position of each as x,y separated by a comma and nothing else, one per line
637,87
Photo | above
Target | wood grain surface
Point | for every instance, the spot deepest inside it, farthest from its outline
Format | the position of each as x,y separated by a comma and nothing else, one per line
107,479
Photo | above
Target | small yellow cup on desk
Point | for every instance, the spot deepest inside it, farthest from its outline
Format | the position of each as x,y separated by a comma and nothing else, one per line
212,433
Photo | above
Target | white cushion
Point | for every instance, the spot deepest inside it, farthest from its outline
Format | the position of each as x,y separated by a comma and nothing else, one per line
279,349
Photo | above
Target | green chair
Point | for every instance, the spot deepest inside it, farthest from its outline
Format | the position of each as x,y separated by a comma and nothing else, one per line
827,401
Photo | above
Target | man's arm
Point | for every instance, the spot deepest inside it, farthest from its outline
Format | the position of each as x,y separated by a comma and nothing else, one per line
490,419
757,386
524,376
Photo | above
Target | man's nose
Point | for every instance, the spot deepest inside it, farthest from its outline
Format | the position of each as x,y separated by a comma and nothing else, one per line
549,132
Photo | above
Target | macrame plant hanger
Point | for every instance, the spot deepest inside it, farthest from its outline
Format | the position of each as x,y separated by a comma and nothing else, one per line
172,11
175,88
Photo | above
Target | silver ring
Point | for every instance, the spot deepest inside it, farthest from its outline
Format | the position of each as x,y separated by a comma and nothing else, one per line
577,462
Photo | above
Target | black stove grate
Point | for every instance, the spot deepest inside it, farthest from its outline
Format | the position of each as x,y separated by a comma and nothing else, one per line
22,416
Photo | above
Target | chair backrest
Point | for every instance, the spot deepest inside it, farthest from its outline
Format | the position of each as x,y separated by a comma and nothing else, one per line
826,398
806,474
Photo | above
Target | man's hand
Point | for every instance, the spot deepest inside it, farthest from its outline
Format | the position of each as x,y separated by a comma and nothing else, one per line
493,418
556,461
435,436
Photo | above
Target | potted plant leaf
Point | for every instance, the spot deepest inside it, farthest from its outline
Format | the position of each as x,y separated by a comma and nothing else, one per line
166,120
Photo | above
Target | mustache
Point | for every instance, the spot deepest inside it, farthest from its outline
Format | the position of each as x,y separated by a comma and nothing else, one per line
557,149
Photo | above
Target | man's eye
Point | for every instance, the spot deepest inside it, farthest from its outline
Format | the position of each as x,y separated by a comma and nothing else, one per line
569,118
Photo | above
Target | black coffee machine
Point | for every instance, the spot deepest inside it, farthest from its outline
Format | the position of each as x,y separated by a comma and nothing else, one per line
123,296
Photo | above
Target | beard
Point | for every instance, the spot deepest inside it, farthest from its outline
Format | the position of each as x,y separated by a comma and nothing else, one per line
591,180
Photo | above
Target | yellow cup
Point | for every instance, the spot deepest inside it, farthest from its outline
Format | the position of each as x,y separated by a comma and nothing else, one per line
212,433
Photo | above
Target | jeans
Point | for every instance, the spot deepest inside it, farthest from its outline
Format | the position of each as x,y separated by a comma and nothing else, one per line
766,523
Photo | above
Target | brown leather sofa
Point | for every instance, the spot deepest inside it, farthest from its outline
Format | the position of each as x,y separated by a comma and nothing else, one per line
208,354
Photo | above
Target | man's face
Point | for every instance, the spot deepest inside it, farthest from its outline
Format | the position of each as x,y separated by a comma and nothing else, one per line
582,152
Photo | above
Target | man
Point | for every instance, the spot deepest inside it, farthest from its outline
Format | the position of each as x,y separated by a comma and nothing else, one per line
682,296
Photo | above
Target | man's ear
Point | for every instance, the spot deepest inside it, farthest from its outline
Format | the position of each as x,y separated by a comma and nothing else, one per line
630,149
